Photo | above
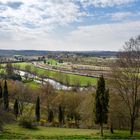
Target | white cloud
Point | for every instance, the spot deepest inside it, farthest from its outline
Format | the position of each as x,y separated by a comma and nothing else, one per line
105,36
106,3
29,24
94,37
120,15
32,15
123,15
39,14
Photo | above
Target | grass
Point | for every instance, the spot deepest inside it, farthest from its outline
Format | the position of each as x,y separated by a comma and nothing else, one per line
61,77
32,85
16,132
52,62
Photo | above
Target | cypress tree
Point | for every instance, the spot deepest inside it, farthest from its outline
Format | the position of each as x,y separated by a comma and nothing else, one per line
50,116
101,104
5,96
37,110
16,108
60,116
0,91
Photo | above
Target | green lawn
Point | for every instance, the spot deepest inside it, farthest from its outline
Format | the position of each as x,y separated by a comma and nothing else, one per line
61,77
16,132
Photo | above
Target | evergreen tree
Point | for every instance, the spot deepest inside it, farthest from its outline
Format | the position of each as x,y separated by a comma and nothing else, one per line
16,108
37,110
50,116
101,103
60,115
5,96
0,91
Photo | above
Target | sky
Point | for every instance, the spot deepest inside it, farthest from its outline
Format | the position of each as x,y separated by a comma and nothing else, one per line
68,25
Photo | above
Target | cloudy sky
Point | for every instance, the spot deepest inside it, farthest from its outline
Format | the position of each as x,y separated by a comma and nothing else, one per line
70,25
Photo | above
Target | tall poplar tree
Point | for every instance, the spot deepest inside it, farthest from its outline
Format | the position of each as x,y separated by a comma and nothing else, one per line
37,109
5,96
16,108
50,116
60,116
101,104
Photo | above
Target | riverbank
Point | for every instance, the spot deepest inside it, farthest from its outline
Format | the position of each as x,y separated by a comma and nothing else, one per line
63,78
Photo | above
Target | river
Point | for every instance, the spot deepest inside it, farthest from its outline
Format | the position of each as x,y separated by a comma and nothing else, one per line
37,79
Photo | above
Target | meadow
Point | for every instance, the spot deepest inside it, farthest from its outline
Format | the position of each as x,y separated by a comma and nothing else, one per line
14,131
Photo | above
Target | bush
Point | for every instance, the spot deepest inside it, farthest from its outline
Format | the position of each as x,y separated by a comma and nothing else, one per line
5,118
1,125
15,77
43,122
27,122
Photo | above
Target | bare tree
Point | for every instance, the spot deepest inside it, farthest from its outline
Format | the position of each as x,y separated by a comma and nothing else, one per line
24,96
47,97
126,76
9,69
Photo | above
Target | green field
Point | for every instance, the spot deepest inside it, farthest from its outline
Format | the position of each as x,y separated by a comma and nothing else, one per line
16,132
52,62
62,77
33,85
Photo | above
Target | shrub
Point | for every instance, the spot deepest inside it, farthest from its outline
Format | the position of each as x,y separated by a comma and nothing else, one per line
42,122
27,122
5,118
15,77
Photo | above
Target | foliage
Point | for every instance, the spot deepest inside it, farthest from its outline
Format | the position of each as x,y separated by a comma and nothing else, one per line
126,78
5,96
61,115
14,77
37,109
101,103
0,91
16,108
5,118
9,69
50,116
26,121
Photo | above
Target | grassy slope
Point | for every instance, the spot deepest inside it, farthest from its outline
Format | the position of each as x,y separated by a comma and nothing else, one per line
16,132
54,75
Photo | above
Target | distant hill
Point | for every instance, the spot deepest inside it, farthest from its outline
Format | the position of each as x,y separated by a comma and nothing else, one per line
42,52
22,52
98,53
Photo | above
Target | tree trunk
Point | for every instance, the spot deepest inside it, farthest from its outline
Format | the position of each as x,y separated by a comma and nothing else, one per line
132,126
101,129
